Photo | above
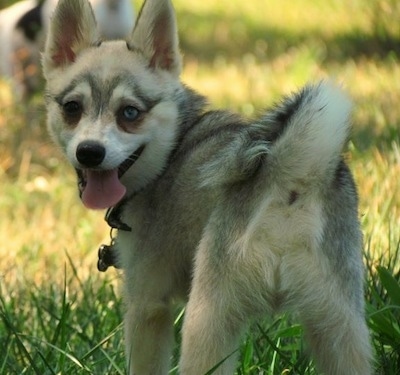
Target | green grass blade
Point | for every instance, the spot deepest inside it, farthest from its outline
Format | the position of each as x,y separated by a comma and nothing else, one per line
211,371
391,285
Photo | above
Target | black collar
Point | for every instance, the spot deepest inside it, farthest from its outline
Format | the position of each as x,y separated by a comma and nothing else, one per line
106,254
113,217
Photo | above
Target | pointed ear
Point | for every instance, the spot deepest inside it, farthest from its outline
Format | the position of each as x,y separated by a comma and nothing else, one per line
156,35
72,29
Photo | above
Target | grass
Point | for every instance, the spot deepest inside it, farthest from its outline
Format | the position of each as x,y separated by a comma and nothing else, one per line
58,315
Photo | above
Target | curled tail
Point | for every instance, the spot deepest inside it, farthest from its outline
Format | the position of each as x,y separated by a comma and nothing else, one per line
314,128
299,141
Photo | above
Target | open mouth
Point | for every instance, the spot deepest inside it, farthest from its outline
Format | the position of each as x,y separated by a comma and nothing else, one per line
100,189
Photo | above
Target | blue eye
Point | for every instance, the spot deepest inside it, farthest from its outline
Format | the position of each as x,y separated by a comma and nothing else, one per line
128,118
130,113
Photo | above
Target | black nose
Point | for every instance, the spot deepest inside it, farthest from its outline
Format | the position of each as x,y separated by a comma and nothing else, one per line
90,153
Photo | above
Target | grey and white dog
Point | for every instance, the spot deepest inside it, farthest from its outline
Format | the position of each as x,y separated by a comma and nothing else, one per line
239,217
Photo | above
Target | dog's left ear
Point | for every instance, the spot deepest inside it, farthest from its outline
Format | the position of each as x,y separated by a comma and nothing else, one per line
72,29
156,36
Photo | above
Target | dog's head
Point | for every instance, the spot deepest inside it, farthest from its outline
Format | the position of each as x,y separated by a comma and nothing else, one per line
113,106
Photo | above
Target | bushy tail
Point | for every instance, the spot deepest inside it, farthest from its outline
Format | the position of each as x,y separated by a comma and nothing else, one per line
300,141
313,128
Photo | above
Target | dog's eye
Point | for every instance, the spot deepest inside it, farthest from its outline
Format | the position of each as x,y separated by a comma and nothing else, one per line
72,112
128,118
72,108
130,113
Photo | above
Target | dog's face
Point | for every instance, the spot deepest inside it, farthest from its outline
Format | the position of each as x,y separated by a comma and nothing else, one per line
112,106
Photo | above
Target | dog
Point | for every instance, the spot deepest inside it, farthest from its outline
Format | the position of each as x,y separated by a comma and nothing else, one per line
23,27
19,29
239,217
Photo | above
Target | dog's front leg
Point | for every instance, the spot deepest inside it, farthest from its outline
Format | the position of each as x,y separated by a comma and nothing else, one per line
148,318
148,336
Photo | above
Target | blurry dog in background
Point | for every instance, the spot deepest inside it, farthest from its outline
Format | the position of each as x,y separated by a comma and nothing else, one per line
23,27
240,217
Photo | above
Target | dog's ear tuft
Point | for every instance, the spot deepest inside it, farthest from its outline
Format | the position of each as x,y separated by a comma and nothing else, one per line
72,29
156,35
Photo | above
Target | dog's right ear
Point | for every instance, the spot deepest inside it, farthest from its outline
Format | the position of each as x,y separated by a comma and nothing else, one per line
72,29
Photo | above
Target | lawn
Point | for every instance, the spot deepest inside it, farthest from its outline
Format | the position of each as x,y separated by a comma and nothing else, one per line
59,315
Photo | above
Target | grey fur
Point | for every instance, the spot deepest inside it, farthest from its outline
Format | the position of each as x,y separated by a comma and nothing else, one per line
239,217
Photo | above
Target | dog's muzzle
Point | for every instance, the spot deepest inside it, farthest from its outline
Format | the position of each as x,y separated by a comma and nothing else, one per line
91,156
100,188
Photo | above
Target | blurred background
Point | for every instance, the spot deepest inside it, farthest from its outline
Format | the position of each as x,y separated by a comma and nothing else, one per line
243,55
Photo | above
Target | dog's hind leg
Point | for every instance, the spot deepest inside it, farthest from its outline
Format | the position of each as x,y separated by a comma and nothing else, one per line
210,333
214,318
332,315
339,340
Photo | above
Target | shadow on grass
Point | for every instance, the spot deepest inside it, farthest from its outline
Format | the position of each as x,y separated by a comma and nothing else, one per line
233,37
367,137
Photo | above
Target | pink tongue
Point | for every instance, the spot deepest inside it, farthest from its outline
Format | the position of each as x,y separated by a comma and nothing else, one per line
103,189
